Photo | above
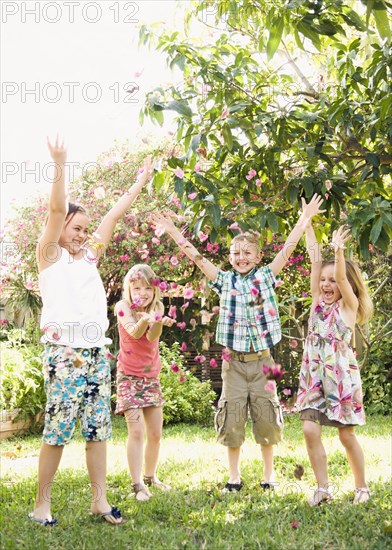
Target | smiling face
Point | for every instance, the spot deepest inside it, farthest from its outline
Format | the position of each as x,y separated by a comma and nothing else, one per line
329,289
244,256
75,232
141,293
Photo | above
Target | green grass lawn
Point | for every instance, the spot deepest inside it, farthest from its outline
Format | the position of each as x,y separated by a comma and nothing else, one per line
195,514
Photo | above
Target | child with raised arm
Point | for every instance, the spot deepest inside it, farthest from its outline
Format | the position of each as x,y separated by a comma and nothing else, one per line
330,392
74,321
139,397
248,327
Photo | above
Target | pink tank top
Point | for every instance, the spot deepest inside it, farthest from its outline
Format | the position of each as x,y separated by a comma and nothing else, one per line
138,357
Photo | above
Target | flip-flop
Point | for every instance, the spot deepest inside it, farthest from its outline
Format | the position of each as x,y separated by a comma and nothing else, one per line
111,516
233,487
44,522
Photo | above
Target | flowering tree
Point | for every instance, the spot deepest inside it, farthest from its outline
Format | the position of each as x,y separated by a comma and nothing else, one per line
258,136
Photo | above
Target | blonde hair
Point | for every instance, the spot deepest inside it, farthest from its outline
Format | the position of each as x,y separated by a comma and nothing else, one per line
354,277
252,237
145,273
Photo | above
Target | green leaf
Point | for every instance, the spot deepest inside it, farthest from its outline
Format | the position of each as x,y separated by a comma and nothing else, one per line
227,136
376,230
215,215
272,222
373,159
179,186
275,36
382,23
180,108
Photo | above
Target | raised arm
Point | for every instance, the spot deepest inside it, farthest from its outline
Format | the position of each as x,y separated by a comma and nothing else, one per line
208,268
47,246
314,251
308,212
339,238
105,230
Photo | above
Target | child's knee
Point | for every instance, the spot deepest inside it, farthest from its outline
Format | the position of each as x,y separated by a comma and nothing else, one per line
347,436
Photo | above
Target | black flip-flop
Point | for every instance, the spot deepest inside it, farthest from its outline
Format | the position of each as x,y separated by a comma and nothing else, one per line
114,513
44,522
234,487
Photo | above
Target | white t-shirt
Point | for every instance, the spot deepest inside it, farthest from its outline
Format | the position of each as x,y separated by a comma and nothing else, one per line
74,309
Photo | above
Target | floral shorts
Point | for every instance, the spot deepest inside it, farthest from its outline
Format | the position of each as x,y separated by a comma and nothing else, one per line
77,385
134,392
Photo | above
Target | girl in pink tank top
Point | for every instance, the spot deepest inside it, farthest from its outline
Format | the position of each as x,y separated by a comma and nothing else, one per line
139,397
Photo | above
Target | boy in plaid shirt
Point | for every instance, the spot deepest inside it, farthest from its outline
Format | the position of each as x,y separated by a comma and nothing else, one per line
248,327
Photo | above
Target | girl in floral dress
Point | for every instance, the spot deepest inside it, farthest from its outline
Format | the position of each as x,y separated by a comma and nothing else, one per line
139,397
330,392
74,321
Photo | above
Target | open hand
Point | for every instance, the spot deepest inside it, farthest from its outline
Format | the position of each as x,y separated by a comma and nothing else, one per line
58,151
162,221
146,170
340,237
313,208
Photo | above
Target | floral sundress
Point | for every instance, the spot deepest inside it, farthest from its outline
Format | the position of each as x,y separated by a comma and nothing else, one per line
330,380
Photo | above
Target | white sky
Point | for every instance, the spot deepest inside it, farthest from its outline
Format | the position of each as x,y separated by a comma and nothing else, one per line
42,54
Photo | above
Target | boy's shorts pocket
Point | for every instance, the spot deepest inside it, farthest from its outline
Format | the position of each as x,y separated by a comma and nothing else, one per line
221,417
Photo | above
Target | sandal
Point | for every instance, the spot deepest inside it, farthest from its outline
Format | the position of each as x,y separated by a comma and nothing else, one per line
362,495
141,491
232,487
268,485
113,517
44,522
152,481
320,496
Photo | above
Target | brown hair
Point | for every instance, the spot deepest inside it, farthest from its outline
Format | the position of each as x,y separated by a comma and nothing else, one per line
251,237
72,210
354,277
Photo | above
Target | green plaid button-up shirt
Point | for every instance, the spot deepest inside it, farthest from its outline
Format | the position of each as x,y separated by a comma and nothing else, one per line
248,311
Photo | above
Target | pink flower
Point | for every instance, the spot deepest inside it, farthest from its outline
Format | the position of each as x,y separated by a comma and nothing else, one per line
200,358
181,326
224,113
202,236
202,151
214,248
157,317
215,310
287,391
192,196
173,285
182,378
213,363
295,524
251,174
179,173
121,313
173,312
184,306
304,295
174,367
254,291
293,343
234,226
188,293
197,168
277,372
270,386
265,369
256,281
326,195
159,231
137,302
68,351
272,311
174,260
258,183
226,355
155,282
183,347
162,286
155,240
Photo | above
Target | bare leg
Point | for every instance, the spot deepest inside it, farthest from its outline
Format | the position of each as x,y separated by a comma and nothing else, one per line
316,452
49,460
267,452
135,442
233,455
153,418
355,455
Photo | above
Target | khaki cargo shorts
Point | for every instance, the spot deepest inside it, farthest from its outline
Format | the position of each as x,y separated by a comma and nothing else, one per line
244,395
